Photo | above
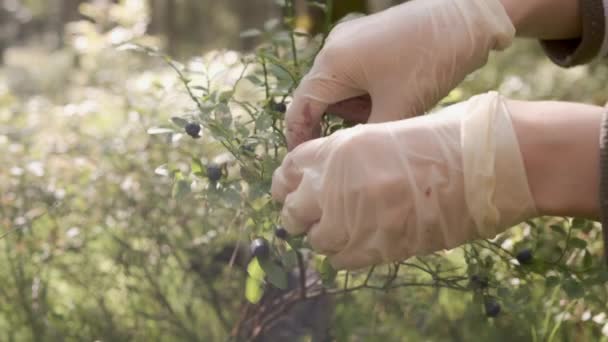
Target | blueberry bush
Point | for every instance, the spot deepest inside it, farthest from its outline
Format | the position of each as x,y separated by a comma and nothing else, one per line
135,206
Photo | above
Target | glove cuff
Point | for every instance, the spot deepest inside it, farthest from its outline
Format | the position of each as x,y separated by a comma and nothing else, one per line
497,193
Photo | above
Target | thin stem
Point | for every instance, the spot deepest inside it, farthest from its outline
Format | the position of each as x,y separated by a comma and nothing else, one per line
369,274
185,82
266,87
346,280
302,274
292,37
566,247
559,323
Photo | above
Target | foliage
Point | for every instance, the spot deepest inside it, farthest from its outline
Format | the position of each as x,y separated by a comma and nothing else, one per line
113,230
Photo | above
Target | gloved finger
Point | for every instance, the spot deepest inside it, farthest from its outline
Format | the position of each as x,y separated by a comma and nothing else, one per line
287,178
301,208
356,109
354,260
388,107
316,92
327,238
347,247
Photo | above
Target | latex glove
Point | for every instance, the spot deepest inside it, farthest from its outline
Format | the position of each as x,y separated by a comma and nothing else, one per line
384,192
406,58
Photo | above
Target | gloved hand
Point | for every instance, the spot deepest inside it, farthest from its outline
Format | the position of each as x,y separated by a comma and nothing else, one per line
383,192
403,60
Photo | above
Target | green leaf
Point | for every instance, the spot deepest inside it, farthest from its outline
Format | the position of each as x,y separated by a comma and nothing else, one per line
197,167
249,175
531,223
280,72
328,273
263,122
254,287
290,259
558,229
254,80
206,109
573,288
587,259
260,202
216,130
295,242
301,34
130,47
224,116
225,96
199,87
578,223
159,130
602,276
254,290
180,188
503,292
232,198
179,121
578,243
255,271
552,281
488,262
250,33
276,274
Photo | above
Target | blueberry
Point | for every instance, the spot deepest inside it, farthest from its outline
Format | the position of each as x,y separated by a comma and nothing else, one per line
214,173
281,233
479,282
492,307
248,148
193,130
279,107
259,248
524,257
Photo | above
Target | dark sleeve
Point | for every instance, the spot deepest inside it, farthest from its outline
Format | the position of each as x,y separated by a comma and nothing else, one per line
573,52
603,193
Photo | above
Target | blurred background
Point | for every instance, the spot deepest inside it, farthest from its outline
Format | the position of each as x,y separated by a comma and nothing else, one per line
184,26
95,246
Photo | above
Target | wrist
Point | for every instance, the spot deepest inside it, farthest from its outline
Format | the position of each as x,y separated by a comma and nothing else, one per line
559,143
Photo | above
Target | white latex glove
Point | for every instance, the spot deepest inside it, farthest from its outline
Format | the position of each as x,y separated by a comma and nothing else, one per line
377,193
406,59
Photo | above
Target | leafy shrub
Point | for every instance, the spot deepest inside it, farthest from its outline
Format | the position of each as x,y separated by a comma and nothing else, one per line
120,226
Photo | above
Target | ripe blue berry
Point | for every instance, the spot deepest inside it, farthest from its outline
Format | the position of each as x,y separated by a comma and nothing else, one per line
248,148
492,307
193,130
281,233
524,257
279,107
259,248
479,282
214,173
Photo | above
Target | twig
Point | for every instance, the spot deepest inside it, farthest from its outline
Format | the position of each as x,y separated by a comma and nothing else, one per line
302,274
292,36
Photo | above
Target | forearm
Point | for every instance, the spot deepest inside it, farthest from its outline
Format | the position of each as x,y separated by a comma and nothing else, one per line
560,147
545,19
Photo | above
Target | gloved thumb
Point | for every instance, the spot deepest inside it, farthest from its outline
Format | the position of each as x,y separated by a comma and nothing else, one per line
386,106
316,92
